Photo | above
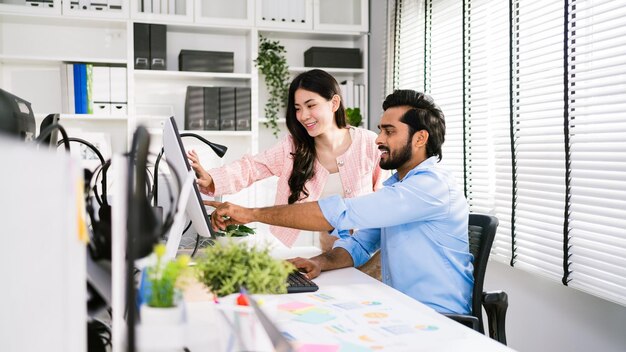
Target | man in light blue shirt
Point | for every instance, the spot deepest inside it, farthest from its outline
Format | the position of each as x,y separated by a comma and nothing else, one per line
418,220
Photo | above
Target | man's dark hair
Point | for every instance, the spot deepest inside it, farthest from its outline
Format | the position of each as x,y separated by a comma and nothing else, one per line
424,115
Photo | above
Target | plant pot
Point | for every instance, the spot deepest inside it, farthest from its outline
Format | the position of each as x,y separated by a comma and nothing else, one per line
161,329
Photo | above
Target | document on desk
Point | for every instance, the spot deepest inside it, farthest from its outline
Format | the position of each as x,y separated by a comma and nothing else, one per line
336,320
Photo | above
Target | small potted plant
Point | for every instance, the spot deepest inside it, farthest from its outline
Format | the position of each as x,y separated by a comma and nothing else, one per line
161,287
235,234
162,313
226,269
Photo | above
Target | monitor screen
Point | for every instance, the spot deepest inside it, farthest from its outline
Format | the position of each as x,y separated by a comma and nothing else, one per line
177,157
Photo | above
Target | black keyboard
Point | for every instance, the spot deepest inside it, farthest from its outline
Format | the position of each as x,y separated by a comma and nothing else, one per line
297,283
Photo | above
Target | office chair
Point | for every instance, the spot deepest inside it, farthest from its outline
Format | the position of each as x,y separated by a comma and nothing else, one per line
482,230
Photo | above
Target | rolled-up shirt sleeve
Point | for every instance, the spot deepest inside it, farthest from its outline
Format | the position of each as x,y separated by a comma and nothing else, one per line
362,244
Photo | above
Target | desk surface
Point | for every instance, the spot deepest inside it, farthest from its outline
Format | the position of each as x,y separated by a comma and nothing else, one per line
358,313
354,312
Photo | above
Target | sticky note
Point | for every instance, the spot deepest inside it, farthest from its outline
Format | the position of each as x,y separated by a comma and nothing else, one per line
311,347
294,306
313,317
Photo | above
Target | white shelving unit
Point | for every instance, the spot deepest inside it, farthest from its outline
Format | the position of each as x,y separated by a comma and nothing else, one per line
36,41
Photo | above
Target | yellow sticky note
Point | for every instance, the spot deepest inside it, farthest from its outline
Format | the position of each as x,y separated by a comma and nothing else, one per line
80,208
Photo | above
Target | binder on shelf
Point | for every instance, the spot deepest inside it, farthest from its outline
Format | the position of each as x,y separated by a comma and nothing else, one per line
212,108
119,109
227,108
242,109
142,45
158,47
67,89
89,89
348,96
118,85
77,95
156,6
102,108
101,93
194,108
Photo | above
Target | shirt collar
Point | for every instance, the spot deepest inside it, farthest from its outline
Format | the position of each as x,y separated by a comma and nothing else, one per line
426,164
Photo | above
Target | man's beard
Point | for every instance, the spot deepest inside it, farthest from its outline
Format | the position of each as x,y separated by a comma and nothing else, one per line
396,159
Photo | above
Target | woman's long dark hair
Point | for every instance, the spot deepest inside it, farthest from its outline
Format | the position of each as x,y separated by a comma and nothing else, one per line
322,83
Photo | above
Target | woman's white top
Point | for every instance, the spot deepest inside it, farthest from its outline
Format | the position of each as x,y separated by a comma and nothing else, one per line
333,186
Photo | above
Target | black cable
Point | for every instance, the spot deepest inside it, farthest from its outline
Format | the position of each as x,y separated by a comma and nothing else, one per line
48,131
86,143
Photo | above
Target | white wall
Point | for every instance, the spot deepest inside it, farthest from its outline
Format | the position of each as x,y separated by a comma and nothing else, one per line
544,315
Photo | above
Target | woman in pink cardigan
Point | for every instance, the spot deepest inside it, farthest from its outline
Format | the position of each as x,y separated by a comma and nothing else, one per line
321,156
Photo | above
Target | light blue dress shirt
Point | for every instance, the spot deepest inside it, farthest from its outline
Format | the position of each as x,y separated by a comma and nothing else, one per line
420,225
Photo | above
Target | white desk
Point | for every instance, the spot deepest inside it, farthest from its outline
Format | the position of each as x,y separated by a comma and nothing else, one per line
354,312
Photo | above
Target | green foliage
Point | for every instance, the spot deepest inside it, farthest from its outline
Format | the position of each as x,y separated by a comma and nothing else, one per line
164,278
224,269
237,231
353,115
272,63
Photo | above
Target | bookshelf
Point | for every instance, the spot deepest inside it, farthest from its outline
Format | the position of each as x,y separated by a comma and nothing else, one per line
35,41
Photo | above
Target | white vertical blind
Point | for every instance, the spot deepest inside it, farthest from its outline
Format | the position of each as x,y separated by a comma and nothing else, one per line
597,131
538,115
409,65
487,115
446,78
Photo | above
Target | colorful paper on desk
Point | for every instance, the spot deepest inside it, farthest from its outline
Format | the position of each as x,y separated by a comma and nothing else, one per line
314,317
309,347
291,306
351,347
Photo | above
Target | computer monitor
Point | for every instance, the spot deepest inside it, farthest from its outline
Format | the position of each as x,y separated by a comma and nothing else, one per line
177,158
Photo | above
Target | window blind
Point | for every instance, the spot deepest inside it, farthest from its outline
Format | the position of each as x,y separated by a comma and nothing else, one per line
389,60
538,116
538,135
446,79
410,34
597,131
487,107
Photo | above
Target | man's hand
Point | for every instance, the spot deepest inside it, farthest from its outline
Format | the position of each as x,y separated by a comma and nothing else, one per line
309,267
203,179
228,214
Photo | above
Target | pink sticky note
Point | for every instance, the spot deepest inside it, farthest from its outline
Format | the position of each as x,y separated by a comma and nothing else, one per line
310,347
294,306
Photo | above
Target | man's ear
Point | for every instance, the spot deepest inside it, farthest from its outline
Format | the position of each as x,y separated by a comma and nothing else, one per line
421,138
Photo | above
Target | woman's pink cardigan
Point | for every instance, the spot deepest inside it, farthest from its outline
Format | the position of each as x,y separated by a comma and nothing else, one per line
358,169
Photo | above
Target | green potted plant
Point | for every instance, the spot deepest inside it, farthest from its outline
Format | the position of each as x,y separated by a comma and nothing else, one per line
164,279
225,269
272,64
162,310
353,115
236,233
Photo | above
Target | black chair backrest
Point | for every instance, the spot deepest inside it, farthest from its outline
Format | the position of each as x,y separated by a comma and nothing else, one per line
482,230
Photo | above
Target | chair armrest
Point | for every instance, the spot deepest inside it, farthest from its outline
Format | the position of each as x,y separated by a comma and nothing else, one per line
468,320
496,304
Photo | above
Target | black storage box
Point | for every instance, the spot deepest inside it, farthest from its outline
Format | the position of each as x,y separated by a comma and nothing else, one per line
206,61
333,57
